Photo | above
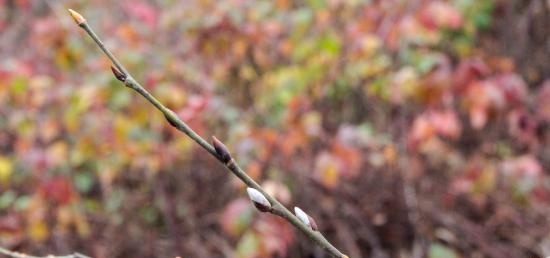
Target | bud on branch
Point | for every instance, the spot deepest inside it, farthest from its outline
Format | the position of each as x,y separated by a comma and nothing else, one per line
170,119
78,18
306,219
221,150
118,74
258,199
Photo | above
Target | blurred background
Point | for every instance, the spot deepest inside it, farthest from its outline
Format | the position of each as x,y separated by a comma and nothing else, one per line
405,128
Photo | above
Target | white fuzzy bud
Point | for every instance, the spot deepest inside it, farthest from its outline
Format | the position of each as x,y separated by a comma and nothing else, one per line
302,215
306,219
258,199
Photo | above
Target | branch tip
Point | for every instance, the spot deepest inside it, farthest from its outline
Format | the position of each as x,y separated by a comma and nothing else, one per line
78,18
221,150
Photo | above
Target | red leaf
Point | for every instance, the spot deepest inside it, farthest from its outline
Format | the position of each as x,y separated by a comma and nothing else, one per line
236,217
276,236
58,190
446,123
468,71
543,105
143,11
440,15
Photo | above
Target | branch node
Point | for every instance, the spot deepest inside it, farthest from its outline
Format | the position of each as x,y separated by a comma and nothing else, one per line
170,119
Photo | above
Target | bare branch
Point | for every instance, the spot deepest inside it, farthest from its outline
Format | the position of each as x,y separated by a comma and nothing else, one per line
219,151
22,255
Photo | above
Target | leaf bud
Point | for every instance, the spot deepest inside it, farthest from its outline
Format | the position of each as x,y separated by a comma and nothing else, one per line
118,74
78,18
221,150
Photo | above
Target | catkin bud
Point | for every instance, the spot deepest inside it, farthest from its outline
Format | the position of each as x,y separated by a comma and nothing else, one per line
221,150
306,219
258,199
78,18
118,74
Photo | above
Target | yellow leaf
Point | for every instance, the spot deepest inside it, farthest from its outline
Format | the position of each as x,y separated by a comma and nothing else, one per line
58,153
390,154
122,127
38,231
370,44
64,219
6,168
330,176
82,226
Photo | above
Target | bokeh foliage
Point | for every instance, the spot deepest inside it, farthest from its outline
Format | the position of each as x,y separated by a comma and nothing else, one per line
387,121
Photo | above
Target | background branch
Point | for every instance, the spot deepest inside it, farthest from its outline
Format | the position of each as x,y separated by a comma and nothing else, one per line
22,255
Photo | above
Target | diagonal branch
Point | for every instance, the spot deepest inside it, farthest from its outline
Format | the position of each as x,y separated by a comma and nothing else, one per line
22,255
219,151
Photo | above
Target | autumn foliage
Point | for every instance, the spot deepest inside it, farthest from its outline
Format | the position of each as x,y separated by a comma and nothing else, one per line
397,125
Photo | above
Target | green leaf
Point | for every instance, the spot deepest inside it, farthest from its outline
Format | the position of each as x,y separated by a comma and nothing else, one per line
84,182
330,44
19,85
7,199
317,4
441,251
22,203
149,214
248,246
120,98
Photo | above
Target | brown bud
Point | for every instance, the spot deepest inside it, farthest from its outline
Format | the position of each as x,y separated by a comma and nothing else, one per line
78,18
221,150
118,74
261,207
312,223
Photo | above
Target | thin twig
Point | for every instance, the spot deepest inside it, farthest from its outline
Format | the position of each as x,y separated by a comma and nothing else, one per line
276,208
22,255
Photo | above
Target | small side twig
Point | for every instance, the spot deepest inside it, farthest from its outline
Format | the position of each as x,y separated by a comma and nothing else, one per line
218,150
22,255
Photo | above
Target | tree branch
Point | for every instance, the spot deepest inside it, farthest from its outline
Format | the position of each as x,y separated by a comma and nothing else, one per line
221,155
22,255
